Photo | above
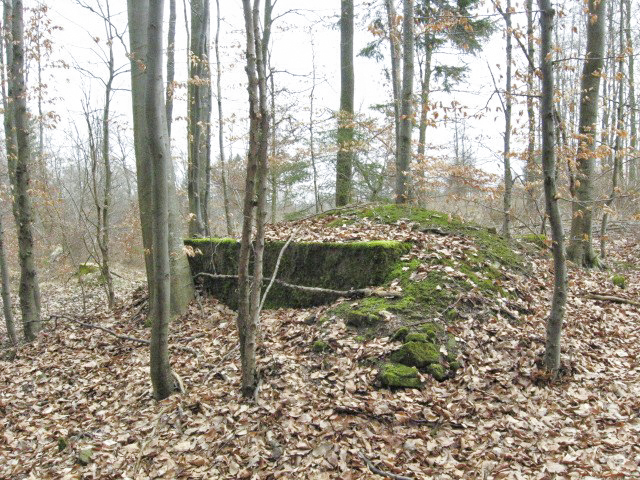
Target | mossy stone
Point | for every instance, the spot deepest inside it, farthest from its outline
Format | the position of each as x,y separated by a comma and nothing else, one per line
437,371
431,330
416,354
400,334
393,375
619,280
320,346
417,337
62,443
84,456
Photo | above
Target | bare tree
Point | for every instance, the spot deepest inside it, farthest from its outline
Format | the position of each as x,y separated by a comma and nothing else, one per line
508,179
6,291
171,65
254,208
346,153
19,155
394,44
580,248
403,157
558,303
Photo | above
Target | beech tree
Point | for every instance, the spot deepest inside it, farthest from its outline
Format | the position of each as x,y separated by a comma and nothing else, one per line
580,249
6,291
19,146
255,194
403,156
346,153
560,286
180,277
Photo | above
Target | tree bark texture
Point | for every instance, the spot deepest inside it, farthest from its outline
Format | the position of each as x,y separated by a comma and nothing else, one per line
6,291
403,157
633,142
346,152
531,168
425,85
161,377
580,248
508,179
171,65
394,46
181,279
29,290
560,286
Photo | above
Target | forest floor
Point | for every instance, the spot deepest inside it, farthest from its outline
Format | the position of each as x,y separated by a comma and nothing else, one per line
77,402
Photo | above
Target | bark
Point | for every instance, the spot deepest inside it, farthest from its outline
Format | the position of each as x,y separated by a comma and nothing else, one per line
559,299
161,377
531,168
618,147
403,157
508,180
254,208
633,142
223,169
346,153
6,293
29,291
580,248
171,65
181,280
425,86
312,150
394,44
199,118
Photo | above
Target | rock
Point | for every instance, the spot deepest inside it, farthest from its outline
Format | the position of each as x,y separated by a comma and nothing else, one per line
400,334
437,371
417,337
431,330
84,456
360,319
393,375
416,354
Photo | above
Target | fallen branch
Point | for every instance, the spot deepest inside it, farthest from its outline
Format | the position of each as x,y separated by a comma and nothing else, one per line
353,293
612,298
377,471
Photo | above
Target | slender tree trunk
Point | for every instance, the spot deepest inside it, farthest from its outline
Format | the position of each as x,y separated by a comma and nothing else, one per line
618,147
425,86
249,287
181,279
559,300
157,129
346,152
6,291
531,168
223,172
29,292
394,44
580,249
403,158
171,65
633,142
312,151
508,180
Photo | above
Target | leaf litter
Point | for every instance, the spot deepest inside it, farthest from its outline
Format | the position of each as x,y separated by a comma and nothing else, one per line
77,402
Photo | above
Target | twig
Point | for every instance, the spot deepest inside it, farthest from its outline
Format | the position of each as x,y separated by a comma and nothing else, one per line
353,293
612,298
377,471
104,329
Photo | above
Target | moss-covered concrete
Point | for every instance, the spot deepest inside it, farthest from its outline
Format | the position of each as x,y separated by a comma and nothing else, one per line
393,375
338,266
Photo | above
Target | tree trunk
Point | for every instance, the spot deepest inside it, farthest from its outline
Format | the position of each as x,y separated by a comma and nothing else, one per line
403,157
346,152
161,377
425,86
508,179
181,280
249,286
312,150
559,300
580,248
171,65
6,291
531,170
198,117
223,172
29,292
394,44
633,143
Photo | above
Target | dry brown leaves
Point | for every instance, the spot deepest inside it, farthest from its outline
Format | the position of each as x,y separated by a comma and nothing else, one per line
316,413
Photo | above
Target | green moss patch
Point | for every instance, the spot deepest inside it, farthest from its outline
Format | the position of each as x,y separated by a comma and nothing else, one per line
416,354
619,280
337,266
393,375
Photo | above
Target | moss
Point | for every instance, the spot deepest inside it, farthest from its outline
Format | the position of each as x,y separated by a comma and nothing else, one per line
400,334
437,371
454,365
393,375
619,280
84,456
417,337
416,354
320,346
337,266
87,268
360,338
431,330
539,240
62,443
